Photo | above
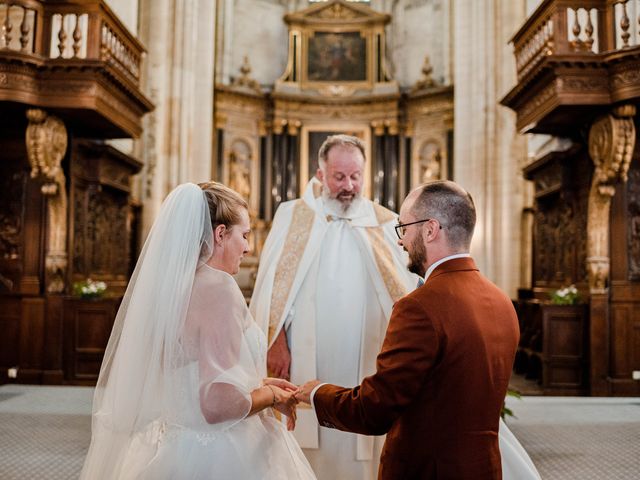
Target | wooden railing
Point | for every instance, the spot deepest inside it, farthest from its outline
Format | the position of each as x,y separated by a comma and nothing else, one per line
69,30
576,27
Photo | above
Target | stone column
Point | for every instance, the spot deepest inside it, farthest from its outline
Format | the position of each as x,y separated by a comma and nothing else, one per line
177,143
488,151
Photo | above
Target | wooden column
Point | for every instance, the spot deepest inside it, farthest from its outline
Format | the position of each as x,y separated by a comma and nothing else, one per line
611,144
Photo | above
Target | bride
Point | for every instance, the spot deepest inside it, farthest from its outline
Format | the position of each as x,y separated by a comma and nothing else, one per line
181,391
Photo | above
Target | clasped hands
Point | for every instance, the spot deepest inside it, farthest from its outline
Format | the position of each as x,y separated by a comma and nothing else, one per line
287,396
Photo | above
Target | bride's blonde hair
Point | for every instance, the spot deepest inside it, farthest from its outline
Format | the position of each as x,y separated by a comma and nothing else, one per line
224,204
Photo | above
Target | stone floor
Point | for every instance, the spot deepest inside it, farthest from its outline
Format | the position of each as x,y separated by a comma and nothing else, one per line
45,431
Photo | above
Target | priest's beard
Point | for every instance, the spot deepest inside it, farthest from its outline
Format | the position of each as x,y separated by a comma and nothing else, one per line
417,256
341,203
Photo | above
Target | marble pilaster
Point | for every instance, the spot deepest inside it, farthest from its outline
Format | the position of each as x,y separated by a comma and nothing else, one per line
488,151
177,141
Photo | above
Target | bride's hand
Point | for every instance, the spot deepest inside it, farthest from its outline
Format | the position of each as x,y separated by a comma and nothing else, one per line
280,383
285,403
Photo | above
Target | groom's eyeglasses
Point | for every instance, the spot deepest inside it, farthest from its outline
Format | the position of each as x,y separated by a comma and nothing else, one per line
401,228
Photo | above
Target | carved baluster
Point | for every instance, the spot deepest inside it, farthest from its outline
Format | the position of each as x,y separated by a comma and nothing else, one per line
588,29
7,28
624,24
104,43
24,30
77,37
576,43
62,37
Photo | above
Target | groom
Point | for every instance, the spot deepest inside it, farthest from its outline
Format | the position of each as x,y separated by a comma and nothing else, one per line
445,364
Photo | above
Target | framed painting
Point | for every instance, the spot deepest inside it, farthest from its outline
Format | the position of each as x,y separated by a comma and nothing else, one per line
337,57
312,137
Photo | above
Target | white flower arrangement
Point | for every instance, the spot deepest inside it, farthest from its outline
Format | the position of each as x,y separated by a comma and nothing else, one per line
89,289
566,296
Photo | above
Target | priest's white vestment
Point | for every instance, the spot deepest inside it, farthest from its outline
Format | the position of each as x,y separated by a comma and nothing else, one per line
330,280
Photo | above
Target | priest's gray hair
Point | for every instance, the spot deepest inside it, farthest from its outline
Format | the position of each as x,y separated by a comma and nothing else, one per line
452,206
335,141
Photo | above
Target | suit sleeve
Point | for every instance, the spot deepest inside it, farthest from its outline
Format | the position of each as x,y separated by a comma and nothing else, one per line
409,352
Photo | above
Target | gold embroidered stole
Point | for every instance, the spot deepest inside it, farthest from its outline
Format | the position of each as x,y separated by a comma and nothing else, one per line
383,255
294,246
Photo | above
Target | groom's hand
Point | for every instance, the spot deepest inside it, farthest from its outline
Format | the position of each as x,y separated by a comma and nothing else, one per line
304,392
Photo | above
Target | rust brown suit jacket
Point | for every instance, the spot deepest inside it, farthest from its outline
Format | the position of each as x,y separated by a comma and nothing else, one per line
440,380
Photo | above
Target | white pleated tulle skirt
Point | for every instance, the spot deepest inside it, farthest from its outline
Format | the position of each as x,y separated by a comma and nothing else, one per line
257,447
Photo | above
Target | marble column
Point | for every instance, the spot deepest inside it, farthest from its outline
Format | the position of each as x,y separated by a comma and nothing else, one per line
176,146
488,151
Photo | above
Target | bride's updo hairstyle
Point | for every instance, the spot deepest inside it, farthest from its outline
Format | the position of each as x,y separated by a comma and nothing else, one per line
225,204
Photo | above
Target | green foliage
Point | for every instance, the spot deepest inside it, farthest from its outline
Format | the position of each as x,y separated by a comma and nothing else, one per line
89,289
506,411
565,296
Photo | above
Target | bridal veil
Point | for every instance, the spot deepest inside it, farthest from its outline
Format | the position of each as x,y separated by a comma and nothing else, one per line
136,384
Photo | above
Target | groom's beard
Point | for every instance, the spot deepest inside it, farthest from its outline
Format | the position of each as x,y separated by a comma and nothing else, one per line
417,256
343,203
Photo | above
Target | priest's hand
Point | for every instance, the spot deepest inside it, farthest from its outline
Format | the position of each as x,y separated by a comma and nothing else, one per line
279,357
304,392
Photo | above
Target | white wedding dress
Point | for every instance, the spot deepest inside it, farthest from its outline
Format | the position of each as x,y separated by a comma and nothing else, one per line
237,446
174,393
516,464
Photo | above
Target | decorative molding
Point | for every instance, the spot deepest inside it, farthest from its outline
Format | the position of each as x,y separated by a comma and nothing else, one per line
245,80
426,80
46,141
77,87
611,143
584,84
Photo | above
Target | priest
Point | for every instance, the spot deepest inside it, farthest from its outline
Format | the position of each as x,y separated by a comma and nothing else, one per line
329,274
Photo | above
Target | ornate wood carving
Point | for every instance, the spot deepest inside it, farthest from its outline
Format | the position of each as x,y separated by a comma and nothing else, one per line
12,197
564,72
12,186
101,213
46,139
633,232
94,75
560,222
611,143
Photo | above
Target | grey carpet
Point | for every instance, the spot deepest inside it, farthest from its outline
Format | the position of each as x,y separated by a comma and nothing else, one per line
45,432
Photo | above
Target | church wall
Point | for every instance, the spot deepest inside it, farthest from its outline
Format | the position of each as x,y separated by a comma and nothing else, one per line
488,151
419,28
177,142
258,32
127,12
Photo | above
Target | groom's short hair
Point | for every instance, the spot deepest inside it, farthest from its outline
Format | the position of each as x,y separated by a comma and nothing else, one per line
452,206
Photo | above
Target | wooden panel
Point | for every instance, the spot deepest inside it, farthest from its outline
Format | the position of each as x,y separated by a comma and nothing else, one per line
564,348
10,313
621,341
88,326
53,364
31,339
92,328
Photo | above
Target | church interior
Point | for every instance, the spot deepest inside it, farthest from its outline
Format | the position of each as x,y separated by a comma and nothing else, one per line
530,105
